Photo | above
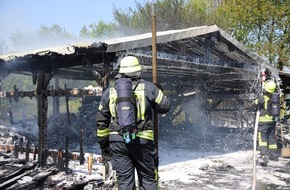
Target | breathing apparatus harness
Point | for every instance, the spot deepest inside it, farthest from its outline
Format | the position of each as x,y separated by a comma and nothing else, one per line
124,106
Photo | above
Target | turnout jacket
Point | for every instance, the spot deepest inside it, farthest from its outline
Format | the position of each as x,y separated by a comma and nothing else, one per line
149,97
263,104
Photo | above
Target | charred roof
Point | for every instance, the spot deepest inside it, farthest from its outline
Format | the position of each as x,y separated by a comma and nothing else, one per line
199,58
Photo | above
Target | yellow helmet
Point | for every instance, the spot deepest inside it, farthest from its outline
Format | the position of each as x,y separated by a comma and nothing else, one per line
129,64
270,86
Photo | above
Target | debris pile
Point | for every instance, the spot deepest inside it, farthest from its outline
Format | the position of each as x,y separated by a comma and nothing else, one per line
203,162
16,174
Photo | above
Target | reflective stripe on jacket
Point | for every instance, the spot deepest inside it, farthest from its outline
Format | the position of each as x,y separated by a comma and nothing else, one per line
265,116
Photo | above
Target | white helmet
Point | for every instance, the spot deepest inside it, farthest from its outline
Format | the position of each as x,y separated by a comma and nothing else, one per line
129,64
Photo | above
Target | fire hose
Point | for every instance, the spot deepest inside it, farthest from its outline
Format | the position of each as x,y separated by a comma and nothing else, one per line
255,149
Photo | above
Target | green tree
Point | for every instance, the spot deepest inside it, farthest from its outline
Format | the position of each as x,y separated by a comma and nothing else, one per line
170,14
200,12
84,32
262,25
54,31
54,35
102,29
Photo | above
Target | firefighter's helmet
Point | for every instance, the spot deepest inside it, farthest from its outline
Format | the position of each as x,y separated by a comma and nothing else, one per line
129,64
270,86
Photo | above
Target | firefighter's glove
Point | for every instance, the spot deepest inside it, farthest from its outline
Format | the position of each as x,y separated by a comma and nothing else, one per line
105,147
104,142
107,154
159,86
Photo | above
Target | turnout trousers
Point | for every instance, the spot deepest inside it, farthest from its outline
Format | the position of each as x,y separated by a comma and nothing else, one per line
266,138
140,155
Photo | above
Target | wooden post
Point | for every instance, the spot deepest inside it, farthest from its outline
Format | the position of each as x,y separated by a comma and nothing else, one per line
34,153
154,74
27,151
16,150
60,160
21,141
66,154
21,148
42,107
11,147
90,163
54,156
67,104
55,106
82,159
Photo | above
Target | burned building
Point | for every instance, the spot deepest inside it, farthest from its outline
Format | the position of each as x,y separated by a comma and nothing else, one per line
203,63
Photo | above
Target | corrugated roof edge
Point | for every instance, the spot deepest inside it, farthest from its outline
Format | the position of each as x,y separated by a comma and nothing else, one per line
63,50
143,40
44,51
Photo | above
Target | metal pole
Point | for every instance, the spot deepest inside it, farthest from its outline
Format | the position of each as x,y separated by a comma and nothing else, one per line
154,74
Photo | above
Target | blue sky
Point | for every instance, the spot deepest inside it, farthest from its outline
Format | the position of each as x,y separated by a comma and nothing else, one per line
28,15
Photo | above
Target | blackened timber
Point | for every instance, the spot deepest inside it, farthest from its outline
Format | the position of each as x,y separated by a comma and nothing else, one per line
7,180
42,107
231,96
228,109
82,159
66,154
53,61
67,106
76,74
55,105
27,151
192,61
54,93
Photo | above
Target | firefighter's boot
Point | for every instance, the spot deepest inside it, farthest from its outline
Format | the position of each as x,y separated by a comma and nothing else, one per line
273,155
263,160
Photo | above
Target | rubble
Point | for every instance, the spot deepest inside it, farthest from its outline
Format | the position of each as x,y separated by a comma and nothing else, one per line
210,158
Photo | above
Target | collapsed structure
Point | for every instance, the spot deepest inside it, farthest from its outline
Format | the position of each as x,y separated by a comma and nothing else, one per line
201,61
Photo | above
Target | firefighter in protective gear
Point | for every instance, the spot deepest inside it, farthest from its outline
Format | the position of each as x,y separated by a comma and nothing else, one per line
266,129
140,154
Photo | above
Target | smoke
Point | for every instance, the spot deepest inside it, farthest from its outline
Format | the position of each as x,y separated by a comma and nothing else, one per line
194,111
49,37
199,136
26,41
